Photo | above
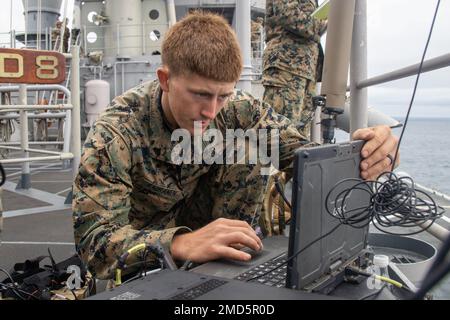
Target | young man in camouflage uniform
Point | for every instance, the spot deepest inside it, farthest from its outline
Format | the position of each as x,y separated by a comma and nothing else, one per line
290,60
128,191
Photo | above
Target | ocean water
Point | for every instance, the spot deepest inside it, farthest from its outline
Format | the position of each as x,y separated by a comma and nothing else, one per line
424,151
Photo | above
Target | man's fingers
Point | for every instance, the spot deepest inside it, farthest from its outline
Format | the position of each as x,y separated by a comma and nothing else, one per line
231,253
373,172
237,225
380,154
381,134
241,238
250,233
363,134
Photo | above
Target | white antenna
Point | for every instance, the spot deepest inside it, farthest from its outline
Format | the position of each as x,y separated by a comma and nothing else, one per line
26,24
64,13
13,41
39,21
11,17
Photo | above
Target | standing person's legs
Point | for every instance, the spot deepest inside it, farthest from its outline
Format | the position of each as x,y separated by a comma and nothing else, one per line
294,101
289,101
308,110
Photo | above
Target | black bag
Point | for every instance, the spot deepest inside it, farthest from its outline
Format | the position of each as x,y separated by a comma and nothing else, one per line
31,281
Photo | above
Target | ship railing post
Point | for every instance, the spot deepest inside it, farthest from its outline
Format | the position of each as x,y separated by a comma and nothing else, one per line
25,180
75,98
172,12
143,38
118,40
46,39
243,30
358,69
85,40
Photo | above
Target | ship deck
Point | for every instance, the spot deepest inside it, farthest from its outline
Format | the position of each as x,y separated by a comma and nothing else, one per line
38,219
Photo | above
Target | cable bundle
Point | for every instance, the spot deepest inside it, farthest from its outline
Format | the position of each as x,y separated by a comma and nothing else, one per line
393,202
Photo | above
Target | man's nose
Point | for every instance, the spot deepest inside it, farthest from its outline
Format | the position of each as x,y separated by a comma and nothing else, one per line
209,109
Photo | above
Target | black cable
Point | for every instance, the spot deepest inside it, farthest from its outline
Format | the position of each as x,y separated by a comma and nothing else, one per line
15,290
280,190
416,84
3,175
369,274
8,275
295,254
386,199
392,202
14,287
74,294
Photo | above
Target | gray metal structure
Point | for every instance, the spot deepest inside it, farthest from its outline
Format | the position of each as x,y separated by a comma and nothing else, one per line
128,40
40,18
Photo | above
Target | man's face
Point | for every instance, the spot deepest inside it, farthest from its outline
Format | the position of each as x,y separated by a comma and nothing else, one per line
194,98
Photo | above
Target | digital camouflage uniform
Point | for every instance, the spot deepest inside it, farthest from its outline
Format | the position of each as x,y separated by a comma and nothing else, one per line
256,35
128,191
290,71
290,58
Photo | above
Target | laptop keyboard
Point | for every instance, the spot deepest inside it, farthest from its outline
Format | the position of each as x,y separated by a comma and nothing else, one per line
276,278
199,290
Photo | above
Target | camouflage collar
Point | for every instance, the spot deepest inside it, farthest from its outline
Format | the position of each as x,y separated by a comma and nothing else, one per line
160,134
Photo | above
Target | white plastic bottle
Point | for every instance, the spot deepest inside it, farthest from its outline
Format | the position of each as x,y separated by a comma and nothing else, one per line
381,263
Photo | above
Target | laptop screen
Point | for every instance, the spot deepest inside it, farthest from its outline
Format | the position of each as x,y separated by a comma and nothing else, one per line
317,170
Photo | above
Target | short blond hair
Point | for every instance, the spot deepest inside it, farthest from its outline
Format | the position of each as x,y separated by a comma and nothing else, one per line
204,44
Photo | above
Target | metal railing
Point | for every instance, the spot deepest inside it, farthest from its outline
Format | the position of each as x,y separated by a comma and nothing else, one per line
22,108
123,64
71,111
359,81
8,40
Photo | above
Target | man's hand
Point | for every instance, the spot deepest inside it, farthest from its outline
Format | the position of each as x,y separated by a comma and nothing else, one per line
219,239
380,143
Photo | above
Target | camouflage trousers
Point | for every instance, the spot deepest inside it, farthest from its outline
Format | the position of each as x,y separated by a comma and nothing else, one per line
292,96
294,101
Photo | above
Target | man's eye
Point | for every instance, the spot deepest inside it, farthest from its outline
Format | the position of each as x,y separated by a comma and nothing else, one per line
202,95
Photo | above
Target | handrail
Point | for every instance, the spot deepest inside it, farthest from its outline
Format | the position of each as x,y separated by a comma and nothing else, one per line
27,107
440,62
123,63
358,87
39,88
72,138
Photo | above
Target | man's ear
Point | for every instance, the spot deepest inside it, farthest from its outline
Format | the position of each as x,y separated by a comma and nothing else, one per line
163,77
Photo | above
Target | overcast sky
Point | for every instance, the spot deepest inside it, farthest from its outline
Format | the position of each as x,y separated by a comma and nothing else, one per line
397,30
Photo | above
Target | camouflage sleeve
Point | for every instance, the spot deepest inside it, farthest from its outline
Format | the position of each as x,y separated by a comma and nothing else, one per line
101,203
251,113
295,17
